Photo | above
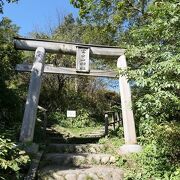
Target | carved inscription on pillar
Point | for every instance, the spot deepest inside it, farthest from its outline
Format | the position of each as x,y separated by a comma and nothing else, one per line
82,59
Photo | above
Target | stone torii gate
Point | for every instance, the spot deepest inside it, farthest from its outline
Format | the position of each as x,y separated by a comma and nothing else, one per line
82,52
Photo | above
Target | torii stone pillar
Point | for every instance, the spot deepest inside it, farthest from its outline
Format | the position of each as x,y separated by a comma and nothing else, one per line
130,145
29,119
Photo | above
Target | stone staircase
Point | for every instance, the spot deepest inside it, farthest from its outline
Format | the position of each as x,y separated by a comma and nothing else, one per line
71,160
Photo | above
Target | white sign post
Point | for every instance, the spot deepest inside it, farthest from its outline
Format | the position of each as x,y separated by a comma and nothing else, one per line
82,59
71,113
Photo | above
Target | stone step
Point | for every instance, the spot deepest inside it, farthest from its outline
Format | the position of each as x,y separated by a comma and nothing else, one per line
92,134
82,173
75,140
76,148
77,159
54,135
53,132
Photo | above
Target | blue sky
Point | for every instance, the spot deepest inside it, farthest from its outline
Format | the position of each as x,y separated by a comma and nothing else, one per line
32,15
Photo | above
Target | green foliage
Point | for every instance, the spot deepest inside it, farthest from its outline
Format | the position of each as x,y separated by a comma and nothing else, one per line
118,132
90,8
62,92
153,52
112,142
75,30
149,30
10,107
160,156
2,4
83,119
59,118
113,16
12,160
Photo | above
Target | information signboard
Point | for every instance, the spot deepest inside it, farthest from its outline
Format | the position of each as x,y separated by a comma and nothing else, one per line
71,113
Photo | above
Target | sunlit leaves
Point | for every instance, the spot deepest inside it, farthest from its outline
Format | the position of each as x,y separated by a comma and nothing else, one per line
153,54
11,159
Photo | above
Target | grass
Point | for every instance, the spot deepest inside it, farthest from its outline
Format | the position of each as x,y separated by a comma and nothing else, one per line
78,132
113,142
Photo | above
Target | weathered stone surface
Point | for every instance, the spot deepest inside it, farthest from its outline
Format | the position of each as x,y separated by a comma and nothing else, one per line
78,159
83,173
96,159
105,160
92,150
29,118
75,148
130,148
71,176
78,162
116,175
93,176
126,103
89,159
112,159
56,176
82,177
107,176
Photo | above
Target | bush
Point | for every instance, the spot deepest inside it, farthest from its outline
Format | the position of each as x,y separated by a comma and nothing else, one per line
12,160
83,119
59,118
160,156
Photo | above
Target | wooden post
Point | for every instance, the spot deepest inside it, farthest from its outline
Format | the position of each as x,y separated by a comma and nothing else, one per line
118,118
127,112
44,125
106,124
27,130
113,120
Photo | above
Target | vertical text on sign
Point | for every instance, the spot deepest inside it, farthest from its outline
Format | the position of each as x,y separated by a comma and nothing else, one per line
82,59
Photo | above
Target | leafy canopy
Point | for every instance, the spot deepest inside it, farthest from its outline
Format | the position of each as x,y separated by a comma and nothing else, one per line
9,57
149,32
153,52
2,2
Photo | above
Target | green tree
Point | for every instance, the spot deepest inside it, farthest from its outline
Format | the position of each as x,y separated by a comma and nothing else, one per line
2,4
9,57
149,31
12,159
152,40
116,15
153,52
60,92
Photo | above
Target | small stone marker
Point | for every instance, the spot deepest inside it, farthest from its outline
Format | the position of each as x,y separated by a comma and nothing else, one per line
71,113
82,59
